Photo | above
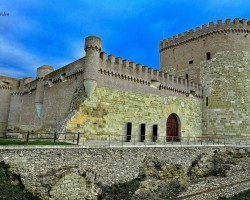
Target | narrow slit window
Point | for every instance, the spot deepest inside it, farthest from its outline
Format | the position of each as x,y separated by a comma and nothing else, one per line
206,101
155,132
129,131
208,55
143,132
186,76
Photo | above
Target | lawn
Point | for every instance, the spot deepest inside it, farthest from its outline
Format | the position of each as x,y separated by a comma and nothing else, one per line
34,142
242,196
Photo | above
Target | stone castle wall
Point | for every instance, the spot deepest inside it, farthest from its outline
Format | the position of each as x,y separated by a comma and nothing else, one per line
118,73
59,87
182,55
4,108
226,102
62,89
109,110
61,172
7,85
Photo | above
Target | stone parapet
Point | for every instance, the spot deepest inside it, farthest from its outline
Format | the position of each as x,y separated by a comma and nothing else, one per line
131,71
234,26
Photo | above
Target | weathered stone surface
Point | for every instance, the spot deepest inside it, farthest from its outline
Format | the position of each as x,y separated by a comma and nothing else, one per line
59,172
226,81
109,111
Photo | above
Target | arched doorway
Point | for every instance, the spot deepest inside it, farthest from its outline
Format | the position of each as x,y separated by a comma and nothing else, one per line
172,128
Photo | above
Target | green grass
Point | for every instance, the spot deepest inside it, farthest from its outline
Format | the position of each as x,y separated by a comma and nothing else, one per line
35,142
242,196
8,191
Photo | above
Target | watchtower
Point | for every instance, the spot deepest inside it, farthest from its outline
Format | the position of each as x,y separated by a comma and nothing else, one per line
92,47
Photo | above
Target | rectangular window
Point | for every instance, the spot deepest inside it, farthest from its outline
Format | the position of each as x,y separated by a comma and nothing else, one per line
186,76
208,55
129,131
206,101
143,132
155,132
191,62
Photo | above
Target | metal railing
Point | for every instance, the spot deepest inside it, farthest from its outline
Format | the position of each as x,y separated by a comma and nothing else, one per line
108,140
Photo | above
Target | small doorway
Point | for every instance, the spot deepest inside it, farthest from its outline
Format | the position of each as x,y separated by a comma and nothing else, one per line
172,128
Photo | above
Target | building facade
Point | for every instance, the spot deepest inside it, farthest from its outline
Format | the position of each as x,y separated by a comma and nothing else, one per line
202,88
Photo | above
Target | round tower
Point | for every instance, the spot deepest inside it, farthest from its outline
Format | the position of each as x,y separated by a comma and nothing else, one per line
182,54
92,47
226,97
40,74
42,71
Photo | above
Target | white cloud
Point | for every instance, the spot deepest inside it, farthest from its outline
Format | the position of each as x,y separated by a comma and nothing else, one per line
16,73
16,55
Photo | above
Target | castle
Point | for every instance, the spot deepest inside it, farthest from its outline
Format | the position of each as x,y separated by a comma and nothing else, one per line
202,88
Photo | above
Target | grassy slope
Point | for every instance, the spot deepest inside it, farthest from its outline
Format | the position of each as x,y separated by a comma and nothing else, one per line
242,196
9,191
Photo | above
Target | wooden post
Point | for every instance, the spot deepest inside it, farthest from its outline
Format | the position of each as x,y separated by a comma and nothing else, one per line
78,138
27,137
109,140
55,137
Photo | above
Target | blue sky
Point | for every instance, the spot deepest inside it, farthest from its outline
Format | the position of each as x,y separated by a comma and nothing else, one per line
52,32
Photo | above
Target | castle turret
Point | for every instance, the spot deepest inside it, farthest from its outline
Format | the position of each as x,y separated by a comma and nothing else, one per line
93,46
41,73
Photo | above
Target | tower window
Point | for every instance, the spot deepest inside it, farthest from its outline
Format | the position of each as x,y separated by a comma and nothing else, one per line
143,132
186,76
191,62
208,55
129,131
206,101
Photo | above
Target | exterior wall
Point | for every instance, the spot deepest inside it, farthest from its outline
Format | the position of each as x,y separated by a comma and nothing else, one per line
4,108
226,81
175,53
63,91
125,75
7,85
15,112
109,111
64,171
56,99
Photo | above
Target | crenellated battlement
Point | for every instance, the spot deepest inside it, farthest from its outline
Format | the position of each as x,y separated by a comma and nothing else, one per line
229,25
131,71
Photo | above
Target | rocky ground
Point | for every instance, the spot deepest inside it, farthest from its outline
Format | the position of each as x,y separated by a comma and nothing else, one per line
158,180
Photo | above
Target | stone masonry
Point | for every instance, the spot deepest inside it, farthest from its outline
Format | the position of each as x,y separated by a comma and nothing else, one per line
203,83
78,173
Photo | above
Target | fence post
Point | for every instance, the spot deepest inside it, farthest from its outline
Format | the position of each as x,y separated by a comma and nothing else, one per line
27,138
74,138
78,138
109,140
55,137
